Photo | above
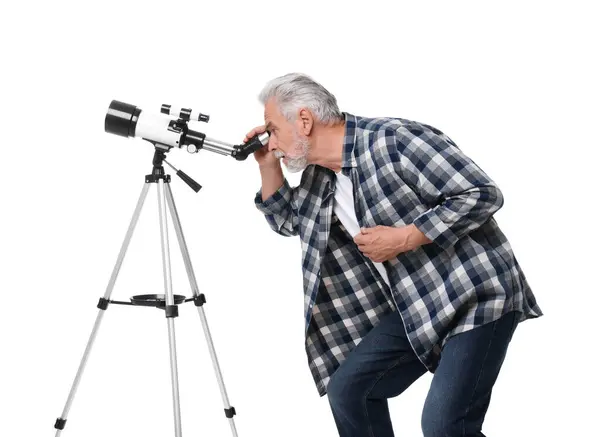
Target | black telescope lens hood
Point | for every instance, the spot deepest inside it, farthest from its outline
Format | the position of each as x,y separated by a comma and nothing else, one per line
121,119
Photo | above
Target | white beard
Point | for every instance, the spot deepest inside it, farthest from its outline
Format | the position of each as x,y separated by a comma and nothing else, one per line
298,163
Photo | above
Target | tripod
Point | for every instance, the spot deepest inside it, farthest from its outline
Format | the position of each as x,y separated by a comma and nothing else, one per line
168,302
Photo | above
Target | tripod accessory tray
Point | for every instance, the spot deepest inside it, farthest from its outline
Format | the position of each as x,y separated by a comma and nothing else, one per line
155,300
159,301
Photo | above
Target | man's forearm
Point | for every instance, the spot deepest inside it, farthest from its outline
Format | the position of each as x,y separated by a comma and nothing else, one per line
272,180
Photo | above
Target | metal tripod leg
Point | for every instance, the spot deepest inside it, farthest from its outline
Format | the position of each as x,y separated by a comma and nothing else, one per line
199,301
170,303
102,305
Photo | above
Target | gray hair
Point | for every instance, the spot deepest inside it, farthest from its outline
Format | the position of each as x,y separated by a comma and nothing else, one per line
294,91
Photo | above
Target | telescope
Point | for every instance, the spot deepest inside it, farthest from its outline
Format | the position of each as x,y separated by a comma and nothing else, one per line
173,131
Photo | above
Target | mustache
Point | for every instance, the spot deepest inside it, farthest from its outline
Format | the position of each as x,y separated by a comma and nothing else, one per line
278,154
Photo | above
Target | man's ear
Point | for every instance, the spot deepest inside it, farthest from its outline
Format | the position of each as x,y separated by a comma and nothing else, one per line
306,121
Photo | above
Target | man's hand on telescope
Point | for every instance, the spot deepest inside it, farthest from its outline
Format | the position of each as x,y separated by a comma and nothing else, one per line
262,155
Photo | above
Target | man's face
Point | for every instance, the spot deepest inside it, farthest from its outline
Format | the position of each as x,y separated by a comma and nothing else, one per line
286,139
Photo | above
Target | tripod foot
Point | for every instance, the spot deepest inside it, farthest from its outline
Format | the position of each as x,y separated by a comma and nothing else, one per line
60,424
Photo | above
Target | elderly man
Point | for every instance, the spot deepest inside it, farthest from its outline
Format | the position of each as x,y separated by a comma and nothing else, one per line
405,269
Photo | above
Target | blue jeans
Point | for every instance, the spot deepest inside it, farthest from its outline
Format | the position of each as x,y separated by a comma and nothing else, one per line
383,365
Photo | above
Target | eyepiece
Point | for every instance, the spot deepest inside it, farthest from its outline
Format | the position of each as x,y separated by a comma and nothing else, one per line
121,119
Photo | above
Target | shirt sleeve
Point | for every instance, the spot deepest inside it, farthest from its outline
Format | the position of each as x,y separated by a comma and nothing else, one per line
280,209
462,197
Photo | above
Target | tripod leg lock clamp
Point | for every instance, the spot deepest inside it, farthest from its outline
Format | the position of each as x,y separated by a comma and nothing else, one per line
199,300
171,311
103,303
60,423
229,412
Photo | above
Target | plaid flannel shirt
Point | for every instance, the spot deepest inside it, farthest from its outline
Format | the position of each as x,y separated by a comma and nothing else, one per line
403,172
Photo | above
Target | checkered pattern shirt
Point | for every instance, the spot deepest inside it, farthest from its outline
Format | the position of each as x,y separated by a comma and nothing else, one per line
403,172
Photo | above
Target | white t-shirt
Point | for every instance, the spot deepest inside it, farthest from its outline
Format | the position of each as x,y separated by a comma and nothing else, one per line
344,209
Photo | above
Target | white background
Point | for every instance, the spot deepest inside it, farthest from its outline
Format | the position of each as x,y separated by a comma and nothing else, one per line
514,84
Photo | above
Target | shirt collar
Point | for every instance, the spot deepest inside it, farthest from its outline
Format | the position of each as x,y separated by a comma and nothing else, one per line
348,159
